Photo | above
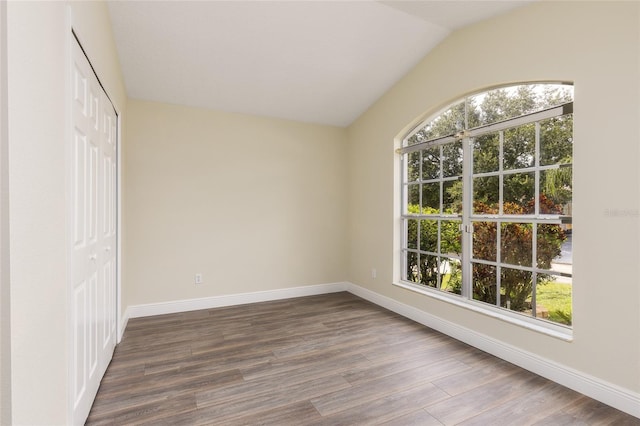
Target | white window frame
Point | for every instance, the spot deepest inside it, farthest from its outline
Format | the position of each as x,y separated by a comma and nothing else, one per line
467,218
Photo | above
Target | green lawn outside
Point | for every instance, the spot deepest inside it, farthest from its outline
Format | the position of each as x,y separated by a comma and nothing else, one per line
556,298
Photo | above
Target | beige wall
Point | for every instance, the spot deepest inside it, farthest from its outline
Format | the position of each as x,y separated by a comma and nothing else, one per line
251,203
5,306
594,44
38,39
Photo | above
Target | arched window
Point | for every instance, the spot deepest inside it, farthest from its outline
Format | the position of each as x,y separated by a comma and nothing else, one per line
486,202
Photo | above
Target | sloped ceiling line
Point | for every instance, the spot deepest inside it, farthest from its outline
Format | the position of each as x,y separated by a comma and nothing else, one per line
323,62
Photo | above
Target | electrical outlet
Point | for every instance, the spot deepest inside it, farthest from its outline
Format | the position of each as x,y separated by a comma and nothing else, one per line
198,279
374,273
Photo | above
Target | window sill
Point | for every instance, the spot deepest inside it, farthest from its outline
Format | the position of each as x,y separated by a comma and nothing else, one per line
540,326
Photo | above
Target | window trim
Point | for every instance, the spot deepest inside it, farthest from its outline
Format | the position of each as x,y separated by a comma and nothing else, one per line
467,217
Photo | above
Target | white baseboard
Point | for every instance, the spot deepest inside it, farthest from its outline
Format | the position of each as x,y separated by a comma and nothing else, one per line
610,394
162,308
123,324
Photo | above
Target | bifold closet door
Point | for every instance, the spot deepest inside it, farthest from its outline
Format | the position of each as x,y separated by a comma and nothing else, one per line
93,251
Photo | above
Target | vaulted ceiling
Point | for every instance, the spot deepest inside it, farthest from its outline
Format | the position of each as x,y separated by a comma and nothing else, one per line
314,61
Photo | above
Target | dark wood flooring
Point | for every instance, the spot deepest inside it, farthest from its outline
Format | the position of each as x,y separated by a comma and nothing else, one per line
333,359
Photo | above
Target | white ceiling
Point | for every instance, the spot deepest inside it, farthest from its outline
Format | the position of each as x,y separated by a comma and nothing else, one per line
314,61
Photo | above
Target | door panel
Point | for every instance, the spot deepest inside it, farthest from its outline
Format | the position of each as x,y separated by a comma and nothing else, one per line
93,252
109,240
79,346
93,331
79,204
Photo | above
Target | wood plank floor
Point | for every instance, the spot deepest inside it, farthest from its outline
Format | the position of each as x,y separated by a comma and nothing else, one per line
333,359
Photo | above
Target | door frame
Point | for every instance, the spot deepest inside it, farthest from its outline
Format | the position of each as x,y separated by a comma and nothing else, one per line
5,283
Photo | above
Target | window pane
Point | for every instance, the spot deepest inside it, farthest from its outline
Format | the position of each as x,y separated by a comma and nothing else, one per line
516,243
429,270
484,283
554,94
450,275
450,238
553,299
486,153
486,195
502,104
416,138
556,140
448,123
413,199
452,197
431,198
554,248
413,166
519,147
452,159
412,234
412,267
515,289
519,193
484,240
556,189
431,163
429,235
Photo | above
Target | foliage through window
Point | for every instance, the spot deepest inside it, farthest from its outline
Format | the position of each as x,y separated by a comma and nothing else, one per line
487,201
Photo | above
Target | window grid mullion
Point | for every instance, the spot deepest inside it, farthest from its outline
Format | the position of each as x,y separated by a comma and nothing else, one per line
405,247
467,210
534,226
537,167
421,180
501,173
500,212
523,170
498,262
438,282
419,221
441,209
522,268
440,176
534,275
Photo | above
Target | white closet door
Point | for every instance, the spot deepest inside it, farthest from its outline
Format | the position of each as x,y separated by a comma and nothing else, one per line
93,251
109,242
